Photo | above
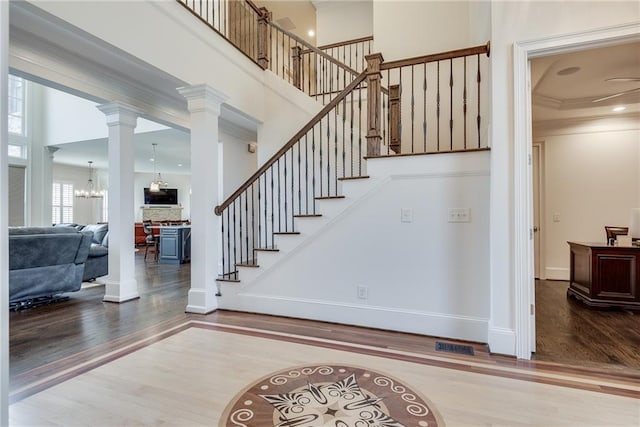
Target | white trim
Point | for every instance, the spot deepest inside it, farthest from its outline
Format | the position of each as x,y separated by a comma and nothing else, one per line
556,273
4,217
503,341
523,251
412,321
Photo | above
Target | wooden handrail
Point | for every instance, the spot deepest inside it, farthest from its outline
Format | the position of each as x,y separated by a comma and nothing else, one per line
346,42
221,34
253,6
315,49
477,50
302,132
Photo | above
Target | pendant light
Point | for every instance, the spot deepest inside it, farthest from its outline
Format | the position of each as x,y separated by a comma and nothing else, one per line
90,192
157,184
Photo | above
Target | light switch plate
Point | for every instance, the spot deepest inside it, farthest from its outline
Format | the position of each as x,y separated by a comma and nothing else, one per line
406,215
459,215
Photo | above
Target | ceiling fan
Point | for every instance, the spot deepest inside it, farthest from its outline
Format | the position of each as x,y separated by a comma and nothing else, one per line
620,79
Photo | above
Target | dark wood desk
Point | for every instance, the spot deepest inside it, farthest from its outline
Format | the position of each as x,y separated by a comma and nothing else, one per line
605,276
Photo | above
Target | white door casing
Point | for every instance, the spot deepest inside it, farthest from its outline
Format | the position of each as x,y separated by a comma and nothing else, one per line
523,52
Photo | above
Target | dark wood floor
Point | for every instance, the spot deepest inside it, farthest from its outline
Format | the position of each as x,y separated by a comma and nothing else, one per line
58,336
567,331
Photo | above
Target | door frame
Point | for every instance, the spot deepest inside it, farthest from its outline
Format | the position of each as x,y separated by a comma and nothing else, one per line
523,52
541,205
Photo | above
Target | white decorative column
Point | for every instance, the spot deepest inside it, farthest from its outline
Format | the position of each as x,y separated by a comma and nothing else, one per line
121,283
41,174
4,215
204,104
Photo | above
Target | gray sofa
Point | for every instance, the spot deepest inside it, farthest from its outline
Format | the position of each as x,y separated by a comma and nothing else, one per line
98,260
45,261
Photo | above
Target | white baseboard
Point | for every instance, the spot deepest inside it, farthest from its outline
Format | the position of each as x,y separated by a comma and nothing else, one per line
424,323
502,341
557,273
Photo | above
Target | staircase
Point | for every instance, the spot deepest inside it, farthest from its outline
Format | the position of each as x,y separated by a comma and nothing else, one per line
423,105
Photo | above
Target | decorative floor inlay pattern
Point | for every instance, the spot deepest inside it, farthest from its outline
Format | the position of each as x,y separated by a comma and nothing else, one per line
331,396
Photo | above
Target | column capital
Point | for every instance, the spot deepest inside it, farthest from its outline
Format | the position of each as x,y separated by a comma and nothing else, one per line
51,150
119,113
202,97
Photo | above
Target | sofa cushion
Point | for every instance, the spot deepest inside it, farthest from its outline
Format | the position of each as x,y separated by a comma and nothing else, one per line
28,251
99,231
97,250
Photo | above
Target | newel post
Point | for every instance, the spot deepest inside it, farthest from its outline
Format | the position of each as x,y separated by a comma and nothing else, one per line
296,56
373,103
263,38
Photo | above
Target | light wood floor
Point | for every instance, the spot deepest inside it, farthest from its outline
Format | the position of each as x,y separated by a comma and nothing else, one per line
190,377
58,344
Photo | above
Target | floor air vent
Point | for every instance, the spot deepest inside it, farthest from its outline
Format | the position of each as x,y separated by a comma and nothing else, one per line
454,348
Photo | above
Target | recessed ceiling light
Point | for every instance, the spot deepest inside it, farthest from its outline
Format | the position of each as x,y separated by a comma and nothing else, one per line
152,159
620,108
311,33
568,71
180,165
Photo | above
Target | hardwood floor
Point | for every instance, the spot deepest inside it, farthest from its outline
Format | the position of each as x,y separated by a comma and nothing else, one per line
62,335
569,332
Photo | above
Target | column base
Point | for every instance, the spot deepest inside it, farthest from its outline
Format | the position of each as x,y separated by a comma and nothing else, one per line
120,291
200,302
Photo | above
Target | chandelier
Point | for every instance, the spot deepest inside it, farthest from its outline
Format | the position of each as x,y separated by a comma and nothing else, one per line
89,192
157,184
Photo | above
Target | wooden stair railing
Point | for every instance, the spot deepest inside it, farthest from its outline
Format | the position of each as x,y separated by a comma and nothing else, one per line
308,167
435,102
332,146
350,52
250,30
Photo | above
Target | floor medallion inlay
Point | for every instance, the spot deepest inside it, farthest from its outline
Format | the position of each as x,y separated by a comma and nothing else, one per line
328,395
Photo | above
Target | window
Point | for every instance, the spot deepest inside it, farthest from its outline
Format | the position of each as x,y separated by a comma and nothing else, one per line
105,206
62,203
18,151
16,105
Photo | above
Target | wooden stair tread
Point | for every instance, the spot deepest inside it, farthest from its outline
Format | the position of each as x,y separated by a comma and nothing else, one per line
348,178
308,216
247,265
286,232
329,197
229,280
267,249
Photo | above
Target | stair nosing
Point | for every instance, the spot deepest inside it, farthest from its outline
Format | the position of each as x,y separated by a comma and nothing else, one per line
349,178
286,232
329,197
308,216
267,249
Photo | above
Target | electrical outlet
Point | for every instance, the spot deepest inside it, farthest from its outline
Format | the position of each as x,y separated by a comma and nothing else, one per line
363,292
406,215
459,215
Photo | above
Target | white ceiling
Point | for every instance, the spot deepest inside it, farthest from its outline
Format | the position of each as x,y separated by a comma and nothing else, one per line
557,95
173,152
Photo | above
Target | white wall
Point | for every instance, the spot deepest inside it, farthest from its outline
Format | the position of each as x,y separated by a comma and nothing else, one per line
427,276
191,51
69,118
238,163
516,22
591,179
403,29
339,21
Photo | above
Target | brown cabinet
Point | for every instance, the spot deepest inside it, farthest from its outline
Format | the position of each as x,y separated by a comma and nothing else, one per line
605,276
139,236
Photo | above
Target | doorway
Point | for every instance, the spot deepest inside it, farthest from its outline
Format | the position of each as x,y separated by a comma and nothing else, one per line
523,177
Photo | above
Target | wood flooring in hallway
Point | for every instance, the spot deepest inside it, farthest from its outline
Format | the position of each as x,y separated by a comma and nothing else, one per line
567,331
